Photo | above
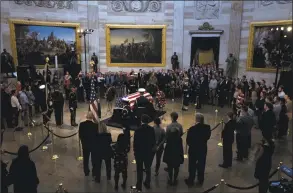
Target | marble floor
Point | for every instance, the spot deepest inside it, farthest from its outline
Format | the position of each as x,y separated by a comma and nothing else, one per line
67,169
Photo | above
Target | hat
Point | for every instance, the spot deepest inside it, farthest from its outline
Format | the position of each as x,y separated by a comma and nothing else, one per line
141,90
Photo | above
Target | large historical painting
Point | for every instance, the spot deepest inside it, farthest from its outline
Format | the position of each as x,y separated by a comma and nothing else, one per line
135,45
270,45
33,41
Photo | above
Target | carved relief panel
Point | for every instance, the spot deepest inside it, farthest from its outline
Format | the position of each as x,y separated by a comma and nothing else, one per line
265,3
59,4
135,6
207,9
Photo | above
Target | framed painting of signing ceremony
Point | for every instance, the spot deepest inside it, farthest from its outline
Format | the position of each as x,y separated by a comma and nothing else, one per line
136,45
270,45
33,41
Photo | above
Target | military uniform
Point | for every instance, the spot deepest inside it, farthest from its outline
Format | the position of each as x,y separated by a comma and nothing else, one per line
58,103
72,107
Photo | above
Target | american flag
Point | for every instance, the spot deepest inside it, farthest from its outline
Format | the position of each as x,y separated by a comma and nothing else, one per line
95,106
132,98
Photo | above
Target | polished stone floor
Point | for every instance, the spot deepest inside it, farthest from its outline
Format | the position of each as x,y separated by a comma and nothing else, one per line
68,170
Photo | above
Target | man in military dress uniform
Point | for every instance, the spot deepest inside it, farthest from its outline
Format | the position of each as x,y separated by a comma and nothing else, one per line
186,94
73,106
96,61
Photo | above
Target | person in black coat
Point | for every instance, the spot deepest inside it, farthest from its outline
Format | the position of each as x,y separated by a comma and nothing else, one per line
103,151
144,144
173,155
197,138
228,140
221,92
202,91
268,120
87,135
23,172
58,103
259,106
283,122
4,178
264,163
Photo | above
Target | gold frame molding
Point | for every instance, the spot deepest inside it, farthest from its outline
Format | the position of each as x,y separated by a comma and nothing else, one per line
251,39
108,45
12,23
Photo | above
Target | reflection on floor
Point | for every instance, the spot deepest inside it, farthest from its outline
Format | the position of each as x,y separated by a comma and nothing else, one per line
67,169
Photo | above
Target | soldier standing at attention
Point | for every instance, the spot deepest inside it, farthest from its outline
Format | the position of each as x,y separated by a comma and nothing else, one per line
73,106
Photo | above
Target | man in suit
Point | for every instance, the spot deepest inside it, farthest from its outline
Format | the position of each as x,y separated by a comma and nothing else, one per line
202,88
221,93
244,124
228,140
143,103
58,103
87,132
268,120
144,143
197,138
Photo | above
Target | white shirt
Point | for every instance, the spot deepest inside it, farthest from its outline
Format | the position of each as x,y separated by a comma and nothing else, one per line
213,84
15,102
281,94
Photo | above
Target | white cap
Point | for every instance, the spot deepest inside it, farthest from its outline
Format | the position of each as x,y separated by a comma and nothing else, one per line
125,99
141,90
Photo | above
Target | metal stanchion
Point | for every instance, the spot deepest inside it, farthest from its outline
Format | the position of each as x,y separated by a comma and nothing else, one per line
216,117
61,189
220,144
54,156
185,154
80,157
222,186
279,171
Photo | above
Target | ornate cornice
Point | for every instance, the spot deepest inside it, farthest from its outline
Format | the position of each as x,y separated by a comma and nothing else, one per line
265,3
136,6
59,4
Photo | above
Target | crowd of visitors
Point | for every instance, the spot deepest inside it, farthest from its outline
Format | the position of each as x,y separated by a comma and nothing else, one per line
254,105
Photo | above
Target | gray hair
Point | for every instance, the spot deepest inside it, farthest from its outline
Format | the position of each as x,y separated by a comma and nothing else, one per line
90,115
199,118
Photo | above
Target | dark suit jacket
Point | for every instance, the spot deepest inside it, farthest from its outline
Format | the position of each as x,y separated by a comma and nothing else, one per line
87,133
144,141
103,149
228,132
197,138
142,102
268,122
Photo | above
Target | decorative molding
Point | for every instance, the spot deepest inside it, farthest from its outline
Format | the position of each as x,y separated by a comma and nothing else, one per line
265,3
59,4
136,6
206,33
207,9
206,26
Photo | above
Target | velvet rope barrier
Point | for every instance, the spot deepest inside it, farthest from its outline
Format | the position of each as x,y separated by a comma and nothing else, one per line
59,136
12,153
253,186
211,189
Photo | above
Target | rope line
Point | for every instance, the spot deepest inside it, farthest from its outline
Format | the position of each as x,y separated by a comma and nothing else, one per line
13,153
216,126
211,189
253,186
59,136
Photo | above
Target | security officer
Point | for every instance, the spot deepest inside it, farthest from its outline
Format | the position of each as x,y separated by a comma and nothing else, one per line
73,106
58,103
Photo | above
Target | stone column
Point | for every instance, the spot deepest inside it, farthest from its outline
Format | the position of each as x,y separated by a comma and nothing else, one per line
178,31
235,30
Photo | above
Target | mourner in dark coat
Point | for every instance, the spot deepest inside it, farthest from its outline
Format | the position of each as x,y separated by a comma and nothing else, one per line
4,178
283,120
186,95
197,138
143,106
58,103
202,93
228,140
144,143
87,135
221,92
264,163
79,84
23,172
173,155
268,120
103,151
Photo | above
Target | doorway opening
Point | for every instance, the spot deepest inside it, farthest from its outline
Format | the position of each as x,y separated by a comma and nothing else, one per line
204,50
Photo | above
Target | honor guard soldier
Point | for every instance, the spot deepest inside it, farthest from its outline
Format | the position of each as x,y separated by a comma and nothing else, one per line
58,103
73,106
186,94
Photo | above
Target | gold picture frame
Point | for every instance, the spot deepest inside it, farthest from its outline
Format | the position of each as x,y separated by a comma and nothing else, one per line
108,45
13,22
251,49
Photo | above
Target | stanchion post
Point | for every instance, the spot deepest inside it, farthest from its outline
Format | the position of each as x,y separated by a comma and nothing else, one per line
61,189
185,154
222,186
80,157
216,118
279,171
54,156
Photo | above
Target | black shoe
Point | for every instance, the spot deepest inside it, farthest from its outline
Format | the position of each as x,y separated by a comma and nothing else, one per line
175,182
156,173
188,182
74,125
86,174
108,178
223,166
97,180
116,187
146,185
169,182
238,159
199,183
